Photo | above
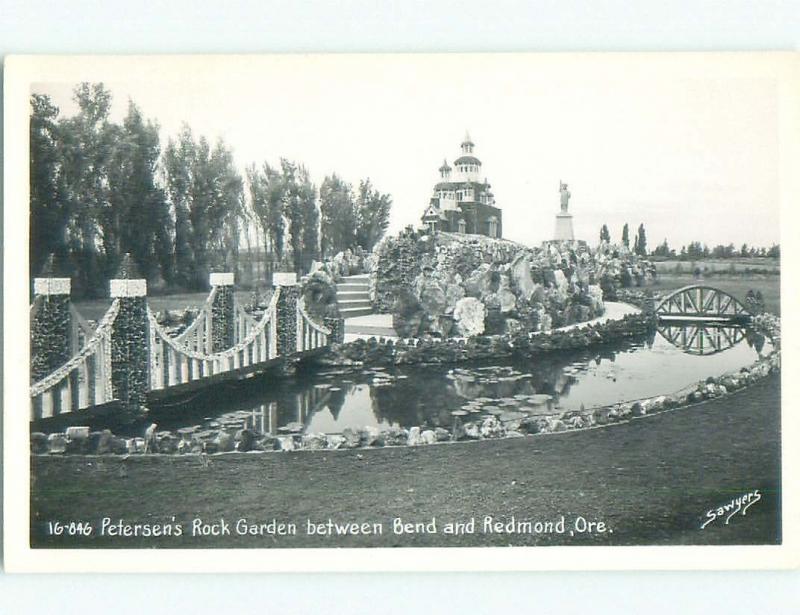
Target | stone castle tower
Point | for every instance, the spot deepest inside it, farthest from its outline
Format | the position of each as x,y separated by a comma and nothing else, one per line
462,200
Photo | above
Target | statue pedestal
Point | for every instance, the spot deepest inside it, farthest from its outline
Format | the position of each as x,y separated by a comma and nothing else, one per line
564,230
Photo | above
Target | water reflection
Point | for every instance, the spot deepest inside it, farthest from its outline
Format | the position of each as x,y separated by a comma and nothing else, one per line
333,400
709,338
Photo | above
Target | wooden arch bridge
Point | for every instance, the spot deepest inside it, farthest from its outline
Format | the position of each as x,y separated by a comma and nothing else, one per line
701,303
129,359
701,320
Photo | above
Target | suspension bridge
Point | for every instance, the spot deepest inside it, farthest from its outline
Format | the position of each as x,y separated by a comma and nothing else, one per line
129,359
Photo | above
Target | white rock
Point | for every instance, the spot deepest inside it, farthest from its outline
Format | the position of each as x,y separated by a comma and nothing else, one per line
428,437
77,433
287,443
56,443
470,314
414,437
336,441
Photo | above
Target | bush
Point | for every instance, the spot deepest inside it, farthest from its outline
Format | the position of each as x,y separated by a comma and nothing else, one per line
319,296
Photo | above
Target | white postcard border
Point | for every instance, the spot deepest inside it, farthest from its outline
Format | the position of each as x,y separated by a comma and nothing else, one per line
21,71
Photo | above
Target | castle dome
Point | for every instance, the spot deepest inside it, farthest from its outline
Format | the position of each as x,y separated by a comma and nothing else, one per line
467,160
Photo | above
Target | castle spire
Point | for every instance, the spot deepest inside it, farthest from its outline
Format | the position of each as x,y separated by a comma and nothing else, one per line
467,144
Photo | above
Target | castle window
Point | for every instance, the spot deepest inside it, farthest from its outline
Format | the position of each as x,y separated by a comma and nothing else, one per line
492,226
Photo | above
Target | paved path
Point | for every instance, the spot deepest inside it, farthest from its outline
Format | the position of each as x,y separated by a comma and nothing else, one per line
614,311
380,325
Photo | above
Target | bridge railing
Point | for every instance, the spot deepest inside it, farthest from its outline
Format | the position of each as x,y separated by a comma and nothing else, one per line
700,302
85,380
172,363
130,354
82,330
310,335
197,336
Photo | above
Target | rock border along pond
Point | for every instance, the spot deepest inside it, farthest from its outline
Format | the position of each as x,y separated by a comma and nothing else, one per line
80,440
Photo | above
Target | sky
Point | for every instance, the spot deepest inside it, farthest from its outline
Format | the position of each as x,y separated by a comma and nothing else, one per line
693,155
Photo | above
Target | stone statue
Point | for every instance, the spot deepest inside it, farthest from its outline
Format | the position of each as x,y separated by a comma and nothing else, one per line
565,194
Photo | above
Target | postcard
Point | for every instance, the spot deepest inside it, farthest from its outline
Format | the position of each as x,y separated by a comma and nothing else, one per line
400,312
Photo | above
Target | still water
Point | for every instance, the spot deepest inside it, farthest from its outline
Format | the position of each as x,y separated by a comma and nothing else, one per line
331,400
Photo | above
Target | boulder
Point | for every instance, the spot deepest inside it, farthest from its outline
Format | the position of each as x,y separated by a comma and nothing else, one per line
453,292
352,438
521,277
506,299
118,446
428,437
442,435
395,436
77,433
472,431
100,442
470,314
480,281
560,281
414,437
492,428
287,443
432,298
556,425
315,441
224,442
459,432
135,446
245,440
38,443
443,324
372,436
166,443
529,425
268,442
537,295
336,441
576,422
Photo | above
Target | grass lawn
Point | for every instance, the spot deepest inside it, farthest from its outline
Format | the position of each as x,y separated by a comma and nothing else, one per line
736,285
651,481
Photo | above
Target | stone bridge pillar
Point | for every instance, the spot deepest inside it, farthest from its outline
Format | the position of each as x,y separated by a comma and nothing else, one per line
223,330
50,326
286,311
336,325
130,343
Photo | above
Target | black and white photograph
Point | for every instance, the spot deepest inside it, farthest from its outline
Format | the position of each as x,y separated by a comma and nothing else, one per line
355,302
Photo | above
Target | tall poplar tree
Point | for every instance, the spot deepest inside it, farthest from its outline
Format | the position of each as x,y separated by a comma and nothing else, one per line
337,212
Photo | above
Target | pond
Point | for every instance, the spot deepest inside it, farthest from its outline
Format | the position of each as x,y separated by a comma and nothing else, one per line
332,400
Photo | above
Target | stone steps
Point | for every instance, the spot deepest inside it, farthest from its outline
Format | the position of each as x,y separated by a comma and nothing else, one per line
350,312
352,296
355,302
